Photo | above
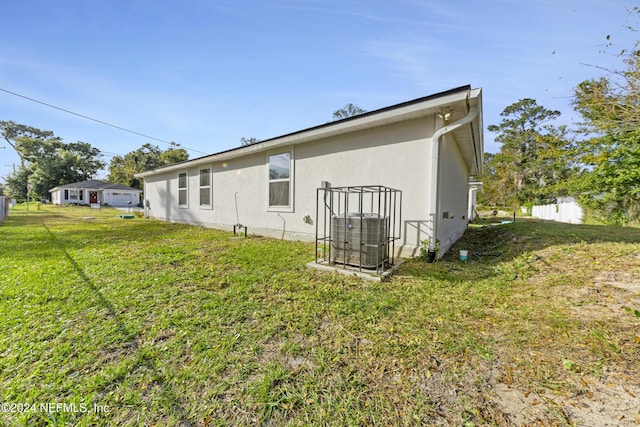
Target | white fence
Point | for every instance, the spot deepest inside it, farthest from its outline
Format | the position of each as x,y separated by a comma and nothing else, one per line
565,210
4,207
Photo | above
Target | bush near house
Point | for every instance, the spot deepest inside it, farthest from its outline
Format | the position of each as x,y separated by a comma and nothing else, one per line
139,322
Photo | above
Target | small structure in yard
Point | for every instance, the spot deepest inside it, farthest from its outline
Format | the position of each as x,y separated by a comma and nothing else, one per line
357,227
95,193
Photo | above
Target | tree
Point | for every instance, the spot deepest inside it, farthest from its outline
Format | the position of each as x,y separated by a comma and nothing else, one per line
123,168
64,164
46,161
12,131
348,110
610,152
248,141
534,159
173,154
16,183
496,189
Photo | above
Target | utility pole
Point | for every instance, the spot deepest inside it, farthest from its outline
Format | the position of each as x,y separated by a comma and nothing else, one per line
14,167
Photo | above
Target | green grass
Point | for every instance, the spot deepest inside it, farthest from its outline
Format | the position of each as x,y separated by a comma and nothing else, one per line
168,324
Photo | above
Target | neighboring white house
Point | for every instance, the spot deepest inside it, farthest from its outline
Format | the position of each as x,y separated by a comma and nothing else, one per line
428,148
94,191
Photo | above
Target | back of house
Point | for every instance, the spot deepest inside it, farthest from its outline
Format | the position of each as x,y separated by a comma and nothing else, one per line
428,149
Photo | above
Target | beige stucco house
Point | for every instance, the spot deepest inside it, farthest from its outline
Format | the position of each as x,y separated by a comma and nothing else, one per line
428,148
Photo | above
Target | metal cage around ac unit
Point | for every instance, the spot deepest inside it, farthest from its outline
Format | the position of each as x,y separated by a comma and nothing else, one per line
357,226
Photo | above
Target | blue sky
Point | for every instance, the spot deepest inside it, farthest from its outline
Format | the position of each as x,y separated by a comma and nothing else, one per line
205,73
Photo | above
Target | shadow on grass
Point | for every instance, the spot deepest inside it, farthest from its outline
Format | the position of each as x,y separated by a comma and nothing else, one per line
87,280
129,335
490,245
79,232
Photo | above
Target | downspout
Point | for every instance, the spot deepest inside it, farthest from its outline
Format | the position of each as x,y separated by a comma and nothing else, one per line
434,201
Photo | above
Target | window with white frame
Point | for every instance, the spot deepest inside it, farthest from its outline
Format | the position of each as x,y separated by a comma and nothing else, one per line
183,189
280,181
205,188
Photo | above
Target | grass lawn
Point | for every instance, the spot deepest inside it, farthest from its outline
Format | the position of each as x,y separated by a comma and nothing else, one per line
135,322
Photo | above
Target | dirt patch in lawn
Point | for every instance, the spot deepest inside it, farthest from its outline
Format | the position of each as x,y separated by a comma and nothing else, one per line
603,403
591,377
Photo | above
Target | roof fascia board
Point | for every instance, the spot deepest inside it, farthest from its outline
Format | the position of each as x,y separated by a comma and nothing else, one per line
475,96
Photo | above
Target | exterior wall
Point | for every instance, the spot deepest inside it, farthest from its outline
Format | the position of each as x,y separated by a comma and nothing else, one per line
55,197
453,193
116,197
395,156
58,197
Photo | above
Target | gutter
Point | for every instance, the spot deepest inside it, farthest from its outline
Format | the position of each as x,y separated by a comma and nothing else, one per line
434,200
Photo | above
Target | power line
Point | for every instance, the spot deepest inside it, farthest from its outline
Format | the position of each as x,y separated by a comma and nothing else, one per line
108,154
96,120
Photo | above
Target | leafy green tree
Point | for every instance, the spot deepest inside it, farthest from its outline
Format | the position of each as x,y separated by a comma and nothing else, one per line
13,133
46,161
497,189
349,110
64,164
248,141
123,168
535,157
16,183
610,108
173,154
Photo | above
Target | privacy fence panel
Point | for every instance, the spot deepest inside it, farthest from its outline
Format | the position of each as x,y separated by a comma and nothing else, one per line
4,207
565,210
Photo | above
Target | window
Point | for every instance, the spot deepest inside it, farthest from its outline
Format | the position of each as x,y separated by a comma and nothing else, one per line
73,194
182,189
280,182
205,188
